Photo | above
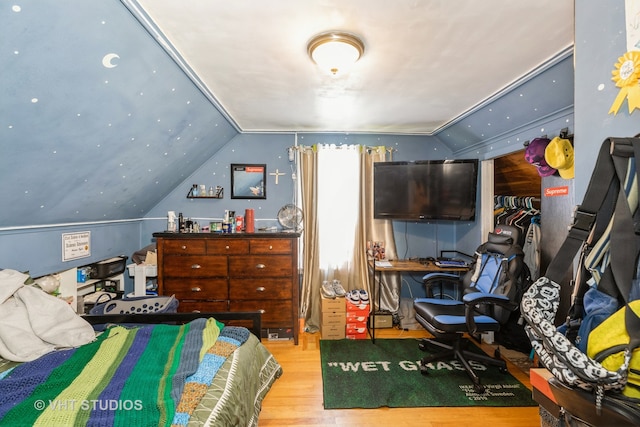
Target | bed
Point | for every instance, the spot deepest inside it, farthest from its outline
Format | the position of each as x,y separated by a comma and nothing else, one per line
182,369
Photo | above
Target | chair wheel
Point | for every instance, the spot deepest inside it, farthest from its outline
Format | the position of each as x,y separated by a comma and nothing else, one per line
496,353
422,346
503,370
479,388
424,370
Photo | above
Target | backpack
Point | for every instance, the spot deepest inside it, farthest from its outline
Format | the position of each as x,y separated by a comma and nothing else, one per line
603,229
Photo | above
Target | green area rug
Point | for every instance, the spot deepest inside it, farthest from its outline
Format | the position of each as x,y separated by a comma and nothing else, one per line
360,374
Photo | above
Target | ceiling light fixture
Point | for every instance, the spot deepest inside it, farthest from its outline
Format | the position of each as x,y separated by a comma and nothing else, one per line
335,51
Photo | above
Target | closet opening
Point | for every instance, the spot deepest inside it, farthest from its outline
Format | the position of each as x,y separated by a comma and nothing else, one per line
512,184
517,202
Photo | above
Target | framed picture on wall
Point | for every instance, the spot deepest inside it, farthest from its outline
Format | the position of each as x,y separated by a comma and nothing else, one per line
248,181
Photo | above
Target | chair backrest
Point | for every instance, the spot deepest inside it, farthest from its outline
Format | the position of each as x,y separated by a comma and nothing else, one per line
498,268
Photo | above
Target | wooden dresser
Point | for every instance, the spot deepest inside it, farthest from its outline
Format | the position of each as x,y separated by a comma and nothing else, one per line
232,272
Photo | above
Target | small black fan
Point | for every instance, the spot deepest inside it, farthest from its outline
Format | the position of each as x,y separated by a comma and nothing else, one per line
290,217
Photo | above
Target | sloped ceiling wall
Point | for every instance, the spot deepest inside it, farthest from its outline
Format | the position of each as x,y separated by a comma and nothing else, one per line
542,97
96,121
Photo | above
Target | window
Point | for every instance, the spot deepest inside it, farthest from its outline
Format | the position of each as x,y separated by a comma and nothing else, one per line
338,200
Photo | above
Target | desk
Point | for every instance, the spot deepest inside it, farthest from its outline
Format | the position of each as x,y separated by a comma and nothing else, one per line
400,266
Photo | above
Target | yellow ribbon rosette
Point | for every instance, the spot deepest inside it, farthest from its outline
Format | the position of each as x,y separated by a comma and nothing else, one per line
627,78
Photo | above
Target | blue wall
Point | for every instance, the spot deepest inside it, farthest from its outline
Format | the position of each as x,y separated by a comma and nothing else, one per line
418,238
600,40
39,250
269,149
87,141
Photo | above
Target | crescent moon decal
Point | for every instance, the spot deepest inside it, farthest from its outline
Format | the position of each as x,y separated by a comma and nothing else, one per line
107,61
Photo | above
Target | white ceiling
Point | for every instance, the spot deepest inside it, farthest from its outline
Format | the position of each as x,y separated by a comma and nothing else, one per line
426,62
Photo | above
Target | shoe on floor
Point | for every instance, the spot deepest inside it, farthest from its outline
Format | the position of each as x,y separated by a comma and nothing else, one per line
364,296
327,290
353,297
338,289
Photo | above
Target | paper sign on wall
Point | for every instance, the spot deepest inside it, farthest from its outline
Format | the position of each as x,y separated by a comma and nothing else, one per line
626,73
76,245
632,15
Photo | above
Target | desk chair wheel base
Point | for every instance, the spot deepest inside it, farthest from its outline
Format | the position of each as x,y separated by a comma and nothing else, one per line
503,366
456,350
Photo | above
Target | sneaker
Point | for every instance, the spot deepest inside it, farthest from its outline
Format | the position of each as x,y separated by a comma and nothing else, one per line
353,297
327,290
364,296
338,289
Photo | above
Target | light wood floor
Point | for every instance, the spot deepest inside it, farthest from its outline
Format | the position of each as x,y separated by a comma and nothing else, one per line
296,397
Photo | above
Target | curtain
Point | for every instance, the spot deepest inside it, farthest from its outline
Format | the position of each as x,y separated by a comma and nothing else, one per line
379,230
340,179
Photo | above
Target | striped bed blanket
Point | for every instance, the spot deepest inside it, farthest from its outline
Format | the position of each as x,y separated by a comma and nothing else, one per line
129,376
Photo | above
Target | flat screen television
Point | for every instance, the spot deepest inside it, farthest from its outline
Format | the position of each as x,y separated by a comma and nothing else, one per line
425,190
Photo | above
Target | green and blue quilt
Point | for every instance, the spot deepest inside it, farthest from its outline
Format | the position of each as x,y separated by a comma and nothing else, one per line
129,376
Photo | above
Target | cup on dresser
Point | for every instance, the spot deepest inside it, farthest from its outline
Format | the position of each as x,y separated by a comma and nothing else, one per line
249,221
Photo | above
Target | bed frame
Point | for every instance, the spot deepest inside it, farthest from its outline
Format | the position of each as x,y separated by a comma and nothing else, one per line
255,317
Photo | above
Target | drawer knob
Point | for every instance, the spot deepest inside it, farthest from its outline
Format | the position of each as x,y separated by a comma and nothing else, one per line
227,247
260,289
261,266
262,311
270,247
196,289
184,247
195,266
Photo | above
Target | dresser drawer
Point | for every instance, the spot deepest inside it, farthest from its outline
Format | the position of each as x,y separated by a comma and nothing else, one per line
195,266
186,246
242,289
228,246
261,266
200,289
264,246
274,313
203,306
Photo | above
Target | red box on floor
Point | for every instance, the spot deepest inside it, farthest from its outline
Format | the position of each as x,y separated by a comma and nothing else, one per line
356,328
357,309
356,317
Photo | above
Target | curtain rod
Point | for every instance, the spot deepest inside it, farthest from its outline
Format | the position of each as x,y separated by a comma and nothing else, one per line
368,147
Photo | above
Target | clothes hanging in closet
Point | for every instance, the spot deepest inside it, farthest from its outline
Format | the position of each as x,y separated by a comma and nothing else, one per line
531,249
521,213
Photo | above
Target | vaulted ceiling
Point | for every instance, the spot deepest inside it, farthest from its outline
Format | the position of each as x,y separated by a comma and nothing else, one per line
107,107
427,63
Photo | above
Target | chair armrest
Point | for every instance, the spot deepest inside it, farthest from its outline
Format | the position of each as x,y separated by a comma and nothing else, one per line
484,298
430,279
476,299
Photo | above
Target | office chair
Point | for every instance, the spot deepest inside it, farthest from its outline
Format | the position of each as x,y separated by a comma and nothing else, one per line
489,295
